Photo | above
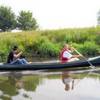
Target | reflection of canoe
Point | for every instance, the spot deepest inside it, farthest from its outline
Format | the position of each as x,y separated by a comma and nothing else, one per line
51,65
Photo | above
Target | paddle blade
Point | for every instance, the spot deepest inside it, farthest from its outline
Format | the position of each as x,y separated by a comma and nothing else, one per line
92,67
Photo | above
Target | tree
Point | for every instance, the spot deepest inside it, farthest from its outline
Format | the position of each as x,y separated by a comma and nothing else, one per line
26,21
7,19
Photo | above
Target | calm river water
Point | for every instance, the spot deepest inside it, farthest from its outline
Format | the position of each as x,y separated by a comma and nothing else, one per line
50,85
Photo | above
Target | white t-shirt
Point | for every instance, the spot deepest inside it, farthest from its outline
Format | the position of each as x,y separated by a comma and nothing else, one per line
66,54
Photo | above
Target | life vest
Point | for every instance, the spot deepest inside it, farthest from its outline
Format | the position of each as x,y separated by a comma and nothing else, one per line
63,59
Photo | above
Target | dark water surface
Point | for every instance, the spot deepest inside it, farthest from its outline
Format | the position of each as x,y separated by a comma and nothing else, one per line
50,85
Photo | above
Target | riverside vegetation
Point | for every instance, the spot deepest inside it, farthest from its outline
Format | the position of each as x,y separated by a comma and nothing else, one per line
48,43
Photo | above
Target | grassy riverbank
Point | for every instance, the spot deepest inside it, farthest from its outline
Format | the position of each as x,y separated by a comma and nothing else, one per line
49,42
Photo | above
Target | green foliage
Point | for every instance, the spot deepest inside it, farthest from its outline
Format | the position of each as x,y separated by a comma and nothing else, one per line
7,19
48,43
89,48
71,35
48,48
43,47
26,21
79,37
97,39
98,18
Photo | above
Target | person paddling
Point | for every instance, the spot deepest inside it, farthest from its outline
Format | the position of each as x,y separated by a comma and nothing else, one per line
15,57
66,54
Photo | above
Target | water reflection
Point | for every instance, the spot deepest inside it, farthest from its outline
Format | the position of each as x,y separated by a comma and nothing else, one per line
16,83
68,80
59,85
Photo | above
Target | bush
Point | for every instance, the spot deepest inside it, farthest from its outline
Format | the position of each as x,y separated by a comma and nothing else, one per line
97,39
89,48
48,43
44,48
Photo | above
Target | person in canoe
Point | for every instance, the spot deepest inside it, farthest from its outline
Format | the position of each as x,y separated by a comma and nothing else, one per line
16,57
66,54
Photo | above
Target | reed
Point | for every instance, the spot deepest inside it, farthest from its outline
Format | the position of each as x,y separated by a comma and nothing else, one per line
48,43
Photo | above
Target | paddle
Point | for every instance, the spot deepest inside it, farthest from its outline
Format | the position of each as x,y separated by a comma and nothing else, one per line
91,65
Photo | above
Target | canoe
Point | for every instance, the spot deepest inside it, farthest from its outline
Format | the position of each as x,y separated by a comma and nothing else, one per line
51,65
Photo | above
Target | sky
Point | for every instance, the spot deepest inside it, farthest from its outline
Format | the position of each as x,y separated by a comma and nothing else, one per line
55,14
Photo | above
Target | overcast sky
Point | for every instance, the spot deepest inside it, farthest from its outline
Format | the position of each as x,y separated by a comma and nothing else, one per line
53,14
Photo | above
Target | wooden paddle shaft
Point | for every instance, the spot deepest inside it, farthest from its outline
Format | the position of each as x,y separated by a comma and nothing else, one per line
84,57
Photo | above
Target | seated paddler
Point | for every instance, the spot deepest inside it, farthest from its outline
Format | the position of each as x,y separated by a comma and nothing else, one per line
66,54
15,56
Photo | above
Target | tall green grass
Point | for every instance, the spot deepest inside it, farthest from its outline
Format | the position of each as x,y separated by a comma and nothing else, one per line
48,43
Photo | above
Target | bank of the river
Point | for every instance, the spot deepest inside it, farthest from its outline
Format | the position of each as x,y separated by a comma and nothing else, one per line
47,43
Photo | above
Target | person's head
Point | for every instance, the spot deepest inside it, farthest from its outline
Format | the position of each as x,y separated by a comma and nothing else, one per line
66,46
15,49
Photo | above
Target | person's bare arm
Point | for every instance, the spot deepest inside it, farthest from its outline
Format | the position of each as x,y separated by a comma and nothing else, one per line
76,56
17,55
